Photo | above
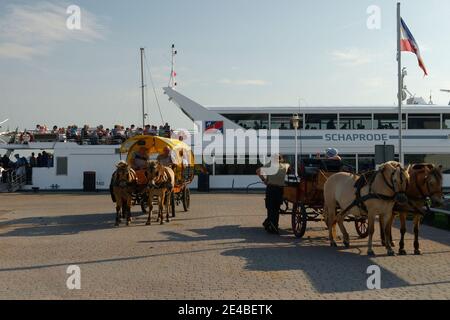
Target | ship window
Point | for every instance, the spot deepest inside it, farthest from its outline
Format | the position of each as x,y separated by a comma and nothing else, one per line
61,166
320,121
250,121
446,121
436,159
355,121
366,162
349,161
247,166
283,121
424,121
388,121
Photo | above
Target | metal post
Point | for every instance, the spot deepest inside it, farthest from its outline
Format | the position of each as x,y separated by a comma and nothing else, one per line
142,87
296,153
400,86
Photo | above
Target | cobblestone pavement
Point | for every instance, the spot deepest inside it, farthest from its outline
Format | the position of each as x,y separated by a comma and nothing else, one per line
218,250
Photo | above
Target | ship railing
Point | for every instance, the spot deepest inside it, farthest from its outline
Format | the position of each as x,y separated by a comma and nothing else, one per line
16,179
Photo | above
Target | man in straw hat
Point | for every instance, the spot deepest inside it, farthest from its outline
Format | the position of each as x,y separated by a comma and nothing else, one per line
274,180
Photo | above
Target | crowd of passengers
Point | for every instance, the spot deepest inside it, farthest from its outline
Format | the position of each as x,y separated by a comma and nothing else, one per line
89,135
22,165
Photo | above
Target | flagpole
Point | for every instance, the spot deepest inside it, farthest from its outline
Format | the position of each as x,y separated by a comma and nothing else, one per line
400,86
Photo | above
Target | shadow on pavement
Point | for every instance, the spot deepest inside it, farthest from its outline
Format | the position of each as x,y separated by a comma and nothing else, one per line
227,232
328,269
58,225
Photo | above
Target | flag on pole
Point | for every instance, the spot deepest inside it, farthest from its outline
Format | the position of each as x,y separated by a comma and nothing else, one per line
408,43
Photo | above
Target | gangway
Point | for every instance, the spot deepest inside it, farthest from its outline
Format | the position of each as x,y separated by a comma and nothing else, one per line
15,180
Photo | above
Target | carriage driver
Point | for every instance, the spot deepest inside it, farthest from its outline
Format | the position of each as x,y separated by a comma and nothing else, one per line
274,193
139,159
332,154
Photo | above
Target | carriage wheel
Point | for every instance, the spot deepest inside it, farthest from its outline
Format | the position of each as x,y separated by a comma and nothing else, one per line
186,198
172,204
362,227
299,219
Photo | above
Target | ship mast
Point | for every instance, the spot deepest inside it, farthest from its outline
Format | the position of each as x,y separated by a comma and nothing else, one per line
142,87
172,82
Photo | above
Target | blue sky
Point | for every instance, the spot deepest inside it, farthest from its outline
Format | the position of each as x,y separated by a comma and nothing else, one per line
247,52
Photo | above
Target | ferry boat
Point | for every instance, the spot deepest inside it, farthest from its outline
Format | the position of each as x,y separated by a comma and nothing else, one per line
353,130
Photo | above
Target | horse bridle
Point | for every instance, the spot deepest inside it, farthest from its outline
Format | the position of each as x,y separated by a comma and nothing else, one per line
391,185
121,182
428,193
157,179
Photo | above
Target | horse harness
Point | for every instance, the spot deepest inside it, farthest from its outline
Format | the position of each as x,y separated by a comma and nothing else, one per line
164,184
413,208
369,178
122,183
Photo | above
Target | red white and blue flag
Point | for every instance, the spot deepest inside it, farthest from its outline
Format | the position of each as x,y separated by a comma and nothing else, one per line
408,43
214,126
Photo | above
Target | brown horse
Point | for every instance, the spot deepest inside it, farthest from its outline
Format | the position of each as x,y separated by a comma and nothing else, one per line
425,182
161,181
123,181
367,195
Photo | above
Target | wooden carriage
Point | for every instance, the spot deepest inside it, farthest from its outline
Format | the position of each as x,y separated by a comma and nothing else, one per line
303,197
183,166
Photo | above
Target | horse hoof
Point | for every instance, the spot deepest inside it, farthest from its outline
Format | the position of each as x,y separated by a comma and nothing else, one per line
346,244
167,220
370,253
391,253
417,252
333,244
402,252
392,244
148,223
116,224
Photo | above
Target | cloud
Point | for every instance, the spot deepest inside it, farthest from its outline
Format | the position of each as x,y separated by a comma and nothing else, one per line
248,82
352,56
27,31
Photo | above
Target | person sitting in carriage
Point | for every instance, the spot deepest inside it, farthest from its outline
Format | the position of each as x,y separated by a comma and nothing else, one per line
334,161
273,177
166,158
332,154
139,159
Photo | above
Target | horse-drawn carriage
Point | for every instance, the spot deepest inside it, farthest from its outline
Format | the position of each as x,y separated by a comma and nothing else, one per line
303,196
182,163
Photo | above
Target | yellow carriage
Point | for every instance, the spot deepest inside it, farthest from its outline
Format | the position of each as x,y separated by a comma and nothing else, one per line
182,162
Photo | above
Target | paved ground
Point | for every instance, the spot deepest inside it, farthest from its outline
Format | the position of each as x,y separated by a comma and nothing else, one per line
217,250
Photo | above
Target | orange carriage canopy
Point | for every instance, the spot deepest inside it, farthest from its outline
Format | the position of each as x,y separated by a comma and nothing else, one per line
156,145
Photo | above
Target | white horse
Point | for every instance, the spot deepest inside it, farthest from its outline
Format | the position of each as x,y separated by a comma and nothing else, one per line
368,195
